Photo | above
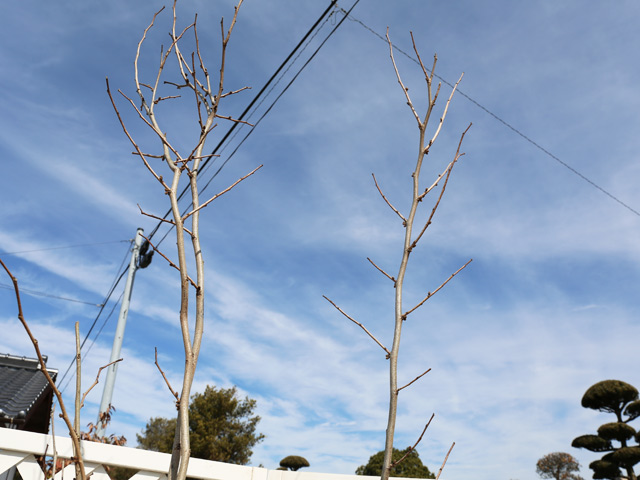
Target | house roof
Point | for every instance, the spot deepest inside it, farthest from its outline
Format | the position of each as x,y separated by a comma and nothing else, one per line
25,395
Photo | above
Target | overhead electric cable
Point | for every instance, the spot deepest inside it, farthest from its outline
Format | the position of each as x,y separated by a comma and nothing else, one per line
86,353
115,283
284,90
67,246
504,122
48,295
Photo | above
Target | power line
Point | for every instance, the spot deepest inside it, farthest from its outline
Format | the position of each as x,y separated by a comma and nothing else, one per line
248,108
67,246
499,119
63,388
43,294
117,279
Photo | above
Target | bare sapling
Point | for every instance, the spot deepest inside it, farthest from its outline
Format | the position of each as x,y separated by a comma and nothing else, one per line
74,428
411,239
191,76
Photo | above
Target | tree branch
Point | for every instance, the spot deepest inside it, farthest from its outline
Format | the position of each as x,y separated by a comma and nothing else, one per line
170,222
404,89
431,294
382,271
414,380
404,220
359,324
175,394
96,380
155,249
184,217
445,460
411,449
444,186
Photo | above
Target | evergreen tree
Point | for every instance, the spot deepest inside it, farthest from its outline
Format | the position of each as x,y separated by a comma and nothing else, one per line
621,399
410,467
222,427
293,463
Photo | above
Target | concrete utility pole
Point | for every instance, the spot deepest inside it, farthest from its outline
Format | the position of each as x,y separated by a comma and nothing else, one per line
107,394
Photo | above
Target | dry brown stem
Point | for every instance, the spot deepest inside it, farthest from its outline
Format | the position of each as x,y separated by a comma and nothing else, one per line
95,382
444,187
445,460
187,215
155,249
165,220
404,220
411,449
357,323
382,271
75,440
415,379
175,394
431,294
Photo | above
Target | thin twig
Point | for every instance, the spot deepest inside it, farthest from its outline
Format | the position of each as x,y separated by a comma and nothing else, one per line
431,294
150,155
159,99
234,120
414,380
404,220
444,187
411,449
171,222
95,382
404,89
175,394
359,324
382,271
444,114
155,249
435,184
184,217
135,145
233,92
445,460
427,77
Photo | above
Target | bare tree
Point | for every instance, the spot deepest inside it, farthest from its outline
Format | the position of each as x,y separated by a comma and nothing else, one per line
74,428
193,78
418,194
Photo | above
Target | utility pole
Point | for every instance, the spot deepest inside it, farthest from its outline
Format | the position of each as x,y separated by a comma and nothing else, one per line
139,259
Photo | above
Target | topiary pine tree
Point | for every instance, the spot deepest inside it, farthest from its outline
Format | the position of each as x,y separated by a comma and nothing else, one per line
293,463
621,399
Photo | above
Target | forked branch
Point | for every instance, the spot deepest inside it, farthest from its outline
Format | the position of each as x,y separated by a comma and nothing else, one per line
187,215
95,382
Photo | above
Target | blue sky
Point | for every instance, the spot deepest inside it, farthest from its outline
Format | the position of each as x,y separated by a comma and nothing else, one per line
547,307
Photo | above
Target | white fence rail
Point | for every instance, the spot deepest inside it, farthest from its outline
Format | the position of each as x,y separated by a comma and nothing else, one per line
18,450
